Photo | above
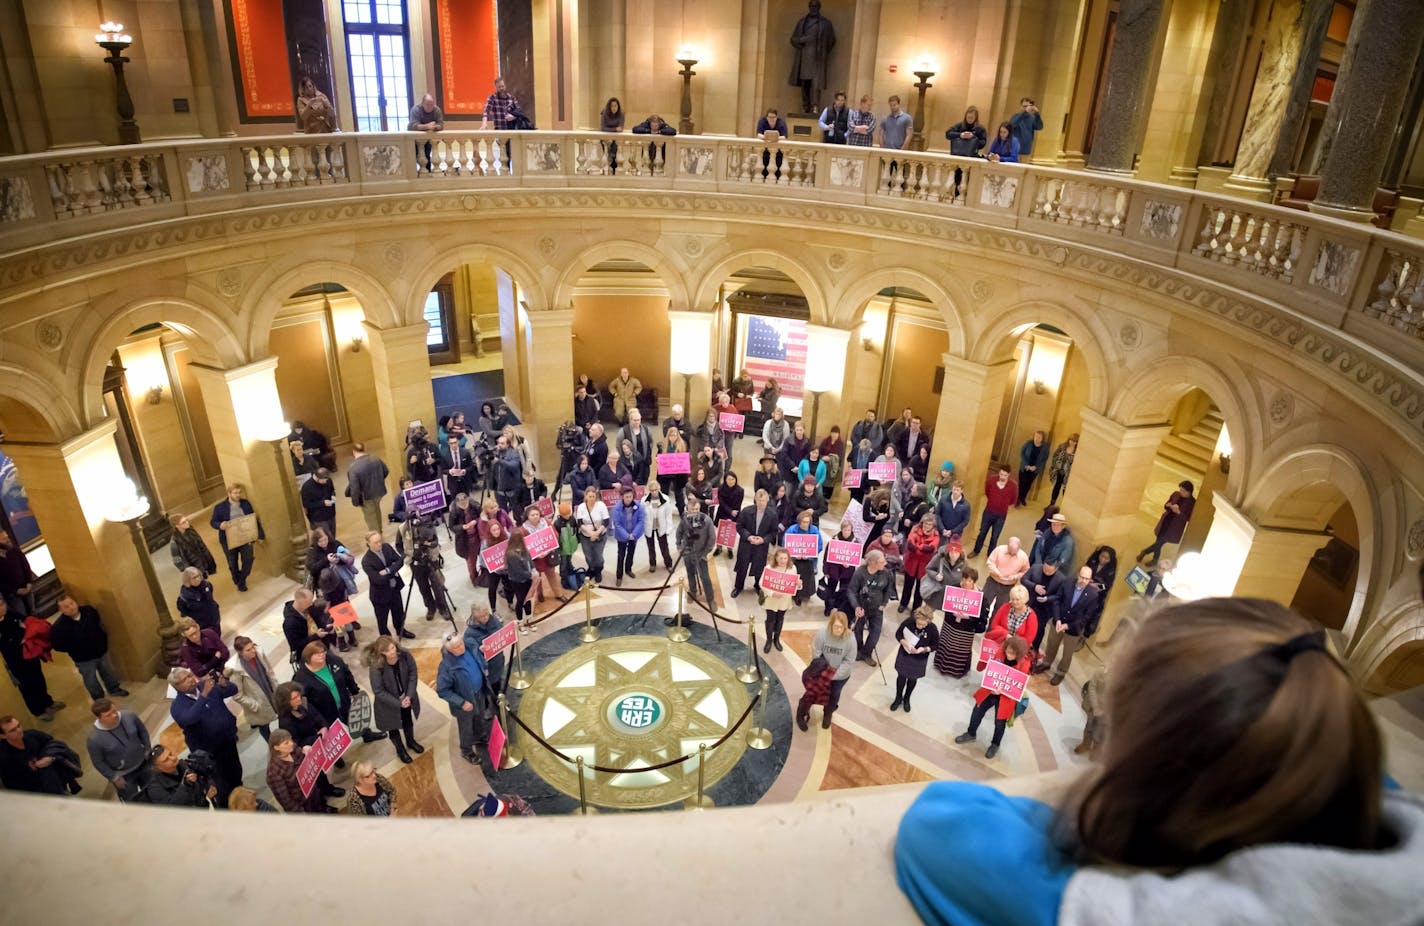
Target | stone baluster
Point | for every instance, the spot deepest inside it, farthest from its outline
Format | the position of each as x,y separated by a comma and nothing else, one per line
139,171
337,160
89,192
56,177
249,166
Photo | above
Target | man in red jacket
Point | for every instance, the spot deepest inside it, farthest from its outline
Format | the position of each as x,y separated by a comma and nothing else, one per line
1001,493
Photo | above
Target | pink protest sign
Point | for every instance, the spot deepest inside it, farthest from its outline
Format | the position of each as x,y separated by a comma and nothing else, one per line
541,541
963,600
990,650
310,768
497,739
843,553
674,464
499,641
803,546
334,744
774,580
610,497
493,557
1002,680
546,506
851,478
884,472
726,533
855,514
731,421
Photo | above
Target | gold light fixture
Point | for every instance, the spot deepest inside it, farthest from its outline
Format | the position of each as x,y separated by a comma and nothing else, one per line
112,38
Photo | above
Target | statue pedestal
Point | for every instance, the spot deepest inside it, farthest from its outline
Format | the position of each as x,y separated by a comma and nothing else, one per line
802,126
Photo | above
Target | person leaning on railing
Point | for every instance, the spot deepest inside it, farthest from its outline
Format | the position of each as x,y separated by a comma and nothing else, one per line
654,125
425,116
1241,781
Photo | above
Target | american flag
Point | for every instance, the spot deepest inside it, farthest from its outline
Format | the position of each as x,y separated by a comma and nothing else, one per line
777,347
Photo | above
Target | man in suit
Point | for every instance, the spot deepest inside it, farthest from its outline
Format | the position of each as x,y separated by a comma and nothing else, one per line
1076,621
1046,585
641,437
910,441
756,531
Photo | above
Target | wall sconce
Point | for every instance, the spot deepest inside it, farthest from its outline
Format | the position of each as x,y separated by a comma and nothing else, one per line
356,341
112,38
1039,388
867,345
687,58
154,394
1225,463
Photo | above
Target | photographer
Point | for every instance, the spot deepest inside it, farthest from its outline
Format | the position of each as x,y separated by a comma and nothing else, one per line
508,473
571,441
208,725
425,563
175,783
421,459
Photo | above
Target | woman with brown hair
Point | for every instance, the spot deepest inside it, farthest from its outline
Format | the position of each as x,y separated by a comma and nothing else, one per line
283,759
1240,783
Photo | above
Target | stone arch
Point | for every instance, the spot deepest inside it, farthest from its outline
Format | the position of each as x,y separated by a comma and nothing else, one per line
427,274
713,276
1333,465
995,343
1389,632
853,298
1150,393
209,336
669,269
32,409
265,298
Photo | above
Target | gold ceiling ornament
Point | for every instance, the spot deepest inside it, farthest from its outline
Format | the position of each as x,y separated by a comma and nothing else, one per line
630,703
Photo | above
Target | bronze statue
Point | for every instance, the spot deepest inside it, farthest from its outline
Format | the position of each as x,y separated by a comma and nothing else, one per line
813,39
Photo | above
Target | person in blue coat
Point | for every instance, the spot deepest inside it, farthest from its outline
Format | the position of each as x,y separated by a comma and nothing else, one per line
1033,460
952,512
1004,147
629,521
239,558
460,683
208,725
1220,797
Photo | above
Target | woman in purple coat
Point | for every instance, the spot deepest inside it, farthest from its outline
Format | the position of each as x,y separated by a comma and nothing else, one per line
1176,512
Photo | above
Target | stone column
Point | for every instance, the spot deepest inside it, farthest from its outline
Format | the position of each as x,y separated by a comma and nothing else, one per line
1125,93
551,389
400,367
1280,96
1110,473
241,405
69,486
968,416
690,362
1249,560
1364,111
1219,80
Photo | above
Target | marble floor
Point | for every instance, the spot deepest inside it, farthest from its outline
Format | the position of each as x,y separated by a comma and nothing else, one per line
867,746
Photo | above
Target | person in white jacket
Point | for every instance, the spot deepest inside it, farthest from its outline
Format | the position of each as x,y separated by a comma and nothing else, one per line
657,524
250,671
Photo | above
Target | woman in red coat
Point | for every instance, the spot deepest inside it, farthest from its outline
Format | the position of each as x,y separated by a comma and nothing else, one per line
1015,618
1015,655
920,546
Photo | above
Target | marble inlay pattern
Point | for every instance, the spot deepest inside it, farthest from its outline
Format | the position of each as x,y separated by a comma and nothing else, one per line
381,160
206,173
998,190
847,172
16,201
1161,220
696,162
1334,269
543,157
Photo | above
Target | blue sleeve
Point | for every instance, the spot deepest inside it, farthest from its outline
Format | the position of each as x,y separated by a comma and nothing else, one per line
968,855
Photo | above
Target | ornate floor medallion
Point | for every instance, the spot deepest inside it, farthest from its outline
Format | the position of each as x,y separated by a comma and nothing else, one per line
631,702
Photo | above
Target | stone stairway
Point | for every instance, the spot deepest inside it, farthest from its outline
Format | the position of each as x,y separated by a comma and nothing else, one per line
1190,452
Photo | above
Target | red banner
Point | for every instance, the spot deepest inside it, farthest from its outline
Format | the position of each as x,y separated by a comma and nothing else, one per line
342,614
851,478
803,546
885,471
611,497
323,755
493,557
963,600
774,580
467,54
674,464
541,541
726,533
731,421
264,77
844,553
499,641
1001,679
546,506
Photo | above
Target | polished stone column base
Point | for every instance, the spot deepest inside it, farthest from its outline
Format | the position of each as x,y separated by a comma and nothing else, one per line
1257,188
1349,214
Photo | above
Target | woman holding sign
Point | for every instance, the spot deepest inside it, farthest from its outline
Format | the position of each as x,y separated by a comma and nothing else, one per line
282,764
1015,656
777,602
803,541
838,575
1014,618
956,641
675,483
729,504
920,546
917,637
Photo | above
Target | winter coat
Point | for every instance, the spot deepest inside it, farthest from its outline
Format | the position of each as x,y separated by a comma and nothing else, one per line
657,515
222,511
695,536
1005,710
920,546
256,705
628,521
207,655
189,549
729,501
967,147
282,779
319,696
1173,524
387,683
198,602
206,722
82,637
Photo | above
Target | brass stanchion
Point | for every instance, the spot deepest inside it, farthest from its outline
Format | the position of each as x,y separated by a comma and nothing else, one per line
678,633
748,673
589,633
759,737
583,795
512,756
701,801
519,679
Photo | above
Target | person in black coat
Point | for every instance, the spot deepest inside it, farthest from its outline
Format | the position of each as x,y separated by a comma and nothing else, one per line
757,527
597,447
319,501
585,407
315,448
912,658
318,672
1077,619
239,559
196,600
1046,589
32,760
79,632
304,620
382,565
306,725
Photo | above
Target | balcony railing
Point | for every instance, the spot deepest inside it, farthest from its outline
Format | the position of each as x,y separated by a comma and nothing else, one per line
1356,278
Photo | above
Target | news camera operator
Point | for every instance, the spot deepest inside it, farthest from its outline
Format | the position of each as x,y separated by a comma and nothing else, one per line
422,459
178,783
508,473
426,562
572,443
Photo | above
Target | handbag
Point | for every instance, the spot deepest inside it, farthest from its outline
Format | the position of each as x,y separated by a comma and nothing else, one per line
358,716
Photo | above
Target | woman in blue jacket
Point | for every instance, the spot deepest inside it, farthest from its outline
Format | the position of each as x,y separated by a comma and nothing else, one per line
1004,147
1241,783
629,522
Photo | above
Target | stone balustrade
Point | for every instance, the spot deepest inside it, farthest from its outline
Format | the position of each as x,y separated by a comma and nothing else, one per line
1350,277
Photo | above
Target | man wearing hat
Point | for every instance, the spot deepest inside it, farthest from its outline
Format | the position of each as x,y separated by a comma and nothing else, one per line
1055,545
768,477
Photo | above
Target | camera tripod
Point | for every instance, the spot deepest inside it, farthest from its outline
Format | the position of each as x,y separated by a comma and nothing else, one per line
436,574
